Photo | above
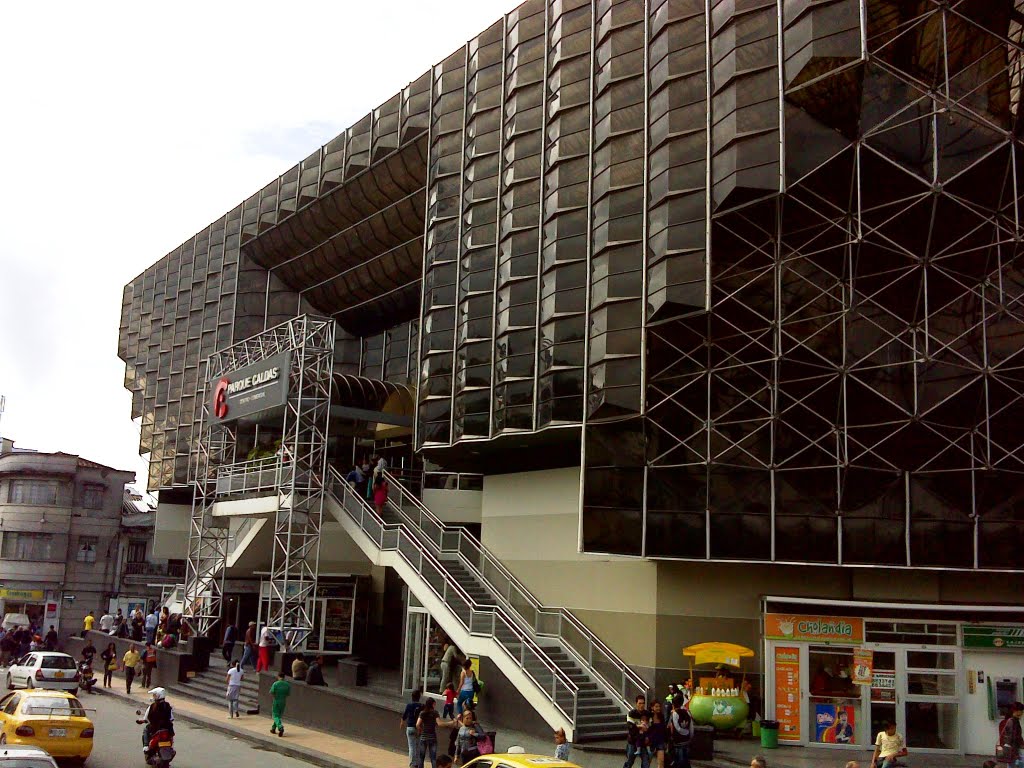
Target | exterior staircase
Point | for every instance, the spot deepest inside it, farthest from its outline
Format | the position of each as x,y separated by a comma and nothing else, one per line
209,687
572,679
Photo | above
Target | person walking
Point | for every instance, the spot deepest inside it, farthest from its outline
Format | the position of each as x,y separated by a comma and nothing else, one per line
1011,738
50,641
467,687
409,717
279,691
87,622
230,636
635,737
234,681
426,728
469,733
131,660
148,665
106,623
109,657
380,494
445,666
152,622
680,726
657,734
266,640
249,646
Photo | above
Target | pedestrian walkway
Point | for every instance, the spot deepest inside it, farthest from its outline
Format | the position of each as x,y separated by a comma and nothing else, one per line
330,751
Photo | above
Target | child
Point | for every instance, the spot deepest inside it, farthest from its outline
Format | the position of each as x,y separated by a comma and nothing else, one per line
449,702
561,745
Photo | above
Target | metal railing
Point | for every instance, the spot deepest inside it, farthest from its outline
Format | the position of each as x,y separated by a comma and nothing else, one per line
544,621
247,476
482,620
172,570
234,537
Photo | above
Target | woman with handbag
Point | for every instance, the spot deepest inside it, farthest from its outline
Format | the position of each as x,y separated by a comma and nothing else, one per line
468,687
109,657
473,741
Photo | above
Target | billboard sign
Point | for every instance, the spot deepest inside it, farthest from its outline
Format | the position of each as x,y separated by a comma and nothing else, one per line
986,636
814,629
250,390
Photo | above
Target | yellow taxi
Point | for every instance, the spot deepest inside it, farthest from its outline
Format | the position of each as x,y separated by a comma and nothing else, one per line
519,761
51,720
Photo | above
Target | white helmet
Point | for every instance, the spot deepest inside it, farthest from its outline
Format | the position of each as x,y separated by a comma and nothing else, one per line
158,694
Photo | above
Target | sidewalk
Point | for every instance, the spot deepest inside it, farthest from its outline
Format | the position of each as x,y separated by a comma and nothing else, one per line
329,751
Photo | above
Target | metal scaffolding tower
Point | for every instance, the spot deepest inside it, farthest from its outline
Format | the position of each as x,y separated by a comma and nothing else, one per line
303,455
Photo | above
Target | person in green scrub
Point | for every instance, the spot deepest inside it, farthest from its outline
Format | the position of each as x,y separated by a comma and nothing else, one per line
280,691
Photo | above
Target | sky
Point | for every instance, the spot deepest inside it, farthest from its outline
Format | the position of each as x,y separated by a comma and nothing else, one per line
126,127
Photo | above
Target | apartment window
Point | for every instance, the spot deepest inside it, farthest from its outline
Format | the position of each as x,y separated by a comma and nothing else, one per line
21,545
43,492
136,551
87,546
92,496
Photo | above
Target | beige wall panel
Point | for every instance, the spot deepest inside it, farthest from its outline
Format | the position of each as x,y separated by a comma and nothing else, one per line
632,637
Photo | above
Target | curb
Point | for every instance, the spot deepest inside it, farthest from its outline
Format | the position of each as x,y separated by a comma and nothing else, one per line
271,743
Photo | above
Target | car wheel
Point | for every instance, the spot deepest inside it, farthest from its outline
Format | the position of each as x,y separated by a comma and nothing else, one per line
10,682
3,738
29,684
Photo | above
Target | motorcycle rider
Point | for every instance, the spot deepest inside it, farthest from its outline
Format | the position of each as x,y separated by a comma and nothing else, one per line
159,716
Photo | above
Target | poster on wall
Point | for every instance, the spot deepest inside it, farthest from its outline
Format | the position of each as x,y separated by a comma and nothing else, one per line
863,664
883,686
834,724
787,692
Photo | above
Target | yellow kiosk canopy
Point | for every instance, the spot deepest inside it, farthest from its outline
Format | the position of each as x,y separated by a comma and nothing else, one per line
718,653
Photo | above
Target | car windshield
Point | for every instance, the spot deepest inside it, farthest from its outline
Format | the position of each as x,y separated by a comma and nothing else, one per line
58,662
52,706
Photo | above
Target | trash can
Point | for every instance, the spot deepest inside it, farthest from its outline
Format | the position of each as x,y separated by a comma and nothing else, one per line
770,734
702,745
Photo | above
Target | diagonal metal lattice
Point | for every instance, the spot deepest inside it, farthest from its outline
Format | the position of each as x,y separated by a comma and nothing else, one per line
299,514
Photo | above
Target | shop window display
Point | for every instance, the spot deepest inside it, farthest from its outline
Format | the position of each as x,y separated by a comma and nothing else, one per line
834,702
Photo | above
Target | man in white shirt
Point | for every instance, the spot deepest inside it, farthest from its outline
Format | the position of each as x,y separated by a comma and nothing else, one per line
889,745
106,622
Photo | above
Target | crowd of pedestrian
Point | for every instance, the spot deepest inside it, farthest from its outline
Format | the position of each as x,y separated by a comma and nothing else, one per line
155,627
367,479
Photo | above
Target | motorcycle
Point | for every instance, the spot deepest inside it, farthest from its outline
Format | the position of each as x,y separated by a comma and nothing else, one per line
86,680
160,751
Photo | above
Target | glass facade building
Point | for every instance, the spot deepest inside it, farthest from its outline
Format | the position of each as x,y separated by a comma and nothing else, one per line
754,266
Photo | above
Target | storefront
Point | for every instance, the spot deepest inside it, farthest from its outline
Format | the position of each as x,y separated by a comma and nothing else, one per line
423,649
336,610
41,606
834,680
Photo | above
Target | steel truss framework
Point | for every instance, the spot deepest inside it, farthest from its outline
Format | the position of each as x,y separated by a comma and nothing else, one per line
854,393
298,519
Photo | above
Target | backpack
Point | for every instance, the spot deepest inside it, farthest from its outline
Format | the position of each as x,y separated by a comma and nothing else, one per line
682,736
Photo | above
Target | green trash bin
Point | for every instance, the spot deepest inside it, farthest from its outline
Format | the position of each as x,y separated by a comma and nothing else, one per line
770,734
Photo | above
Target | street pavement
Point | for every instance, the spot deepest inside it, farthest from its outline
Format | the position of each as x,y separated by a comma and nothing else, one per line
119,742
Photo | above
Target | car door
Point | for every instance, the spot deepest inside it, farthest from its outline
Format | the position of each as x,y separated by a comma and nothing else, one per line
17,670
8,712
28,667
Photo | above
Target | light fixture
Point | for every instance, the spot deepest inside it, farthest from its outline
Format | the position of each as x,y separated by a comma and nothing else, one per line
42,520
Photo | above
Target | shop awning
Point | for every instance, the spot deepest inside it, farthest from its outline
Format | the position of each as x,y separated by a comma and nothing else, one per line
718,653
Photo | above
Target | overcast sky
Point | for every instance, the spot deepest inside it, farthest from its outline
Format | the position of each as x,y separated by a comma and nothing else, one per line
126,127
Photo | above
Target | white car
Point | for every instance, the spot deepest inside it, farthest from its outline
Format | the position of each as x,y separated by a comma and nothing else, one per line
25,757
42,669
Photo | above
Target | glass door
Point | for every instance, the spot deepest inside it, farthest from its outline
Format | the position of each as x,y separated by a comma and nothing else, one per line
834,703
415,645
918,690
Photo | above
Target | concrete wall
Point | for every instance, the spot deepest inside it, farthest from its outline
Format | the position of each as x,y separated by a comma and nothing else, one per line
170,539
454,506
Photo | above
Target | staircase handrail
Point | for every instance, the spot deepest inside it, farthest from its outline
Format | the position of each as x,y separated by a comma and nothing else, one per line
628,675
335,479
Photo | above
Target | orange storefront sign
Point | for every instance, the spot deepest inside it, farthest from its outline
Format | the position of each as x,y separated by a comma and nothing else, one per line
787,692
814,629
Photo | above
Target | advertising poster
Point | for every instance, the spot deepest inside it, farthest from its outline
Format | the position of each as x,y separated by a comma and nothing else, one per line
883,686
814,629
863,664
787,693
834,724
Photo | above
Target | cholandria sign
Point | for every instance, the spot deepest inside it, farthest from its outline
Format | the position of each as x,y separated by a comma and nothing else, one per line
822,629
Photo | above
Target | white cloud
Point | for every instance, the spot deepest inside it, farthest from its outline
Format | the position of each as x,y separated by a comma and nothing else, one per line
125,127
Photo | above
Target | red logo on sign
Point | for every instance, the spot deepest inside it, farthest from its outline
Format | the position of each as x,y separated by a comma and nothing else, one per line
220,399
